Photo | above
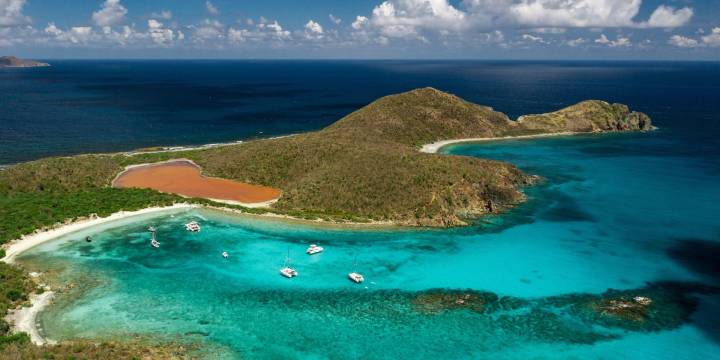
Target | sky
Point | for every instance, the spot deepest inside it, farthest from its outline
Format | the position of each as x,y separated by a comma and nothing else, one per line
362,29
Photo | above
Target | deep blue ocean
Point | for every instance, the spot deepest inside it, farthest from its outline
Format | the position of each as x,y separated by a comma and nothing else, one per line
99,106
617,215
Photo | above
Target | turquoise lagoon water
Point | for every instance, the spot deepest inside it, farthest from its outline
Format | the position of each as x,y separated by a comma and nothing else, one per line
634,213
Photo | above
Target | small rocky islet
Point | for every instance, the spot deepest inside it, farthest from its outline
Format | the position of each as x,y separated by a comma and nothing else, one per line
14,62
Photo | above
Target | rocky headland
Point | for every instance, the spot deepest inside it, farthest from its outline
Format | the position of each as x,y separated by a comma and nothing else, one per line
13,62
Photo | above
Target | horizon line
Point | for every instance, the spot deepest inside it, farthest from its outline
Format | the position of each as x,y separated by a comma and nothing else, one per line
361,59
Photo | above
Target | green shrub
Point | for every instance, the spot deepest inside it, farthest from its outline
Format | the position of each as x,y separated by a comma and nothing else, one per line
19,338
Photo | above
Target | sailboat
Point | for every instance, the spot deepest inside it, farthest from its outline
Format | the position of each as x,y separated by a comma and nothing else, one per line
355,276
154,242
286,270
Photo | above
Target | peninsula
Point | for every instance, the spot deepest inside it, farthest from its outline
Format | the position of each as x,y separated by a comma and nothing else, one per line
13,62
365,167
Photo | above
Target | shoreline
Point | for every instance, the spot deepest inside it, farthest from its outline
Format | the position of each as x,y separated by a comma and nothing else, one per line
163,149
179,148
18,246
27,242
24,319
372,224
433,148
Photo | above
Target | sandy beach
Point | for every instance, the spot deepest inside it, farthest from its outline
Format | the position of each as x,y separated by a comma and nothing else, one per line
183,177
436,146
14,248
24,319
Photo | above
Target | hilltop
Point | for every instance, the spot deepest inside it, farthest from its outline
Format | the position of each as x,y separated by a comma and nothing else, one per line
364,167
11,61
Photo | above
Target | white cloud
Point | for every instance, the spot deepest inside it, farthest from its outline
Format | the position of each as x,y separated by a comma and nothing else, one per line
110,13
11,13
406,18
275,30
412,19
161,35
264,31
75,35
602,40
669,17
208,30
575,42
619,42
211,9
549,30
154,24
53,30
125,36
575,13
237,35
80,33
360,22
712,39
533,38
165,15
682,41
313,30
334,19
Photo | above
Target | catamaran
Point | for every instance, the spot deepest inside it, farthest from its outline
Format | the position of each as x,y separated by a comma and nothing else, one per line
355,276
192,226
314,249
286,270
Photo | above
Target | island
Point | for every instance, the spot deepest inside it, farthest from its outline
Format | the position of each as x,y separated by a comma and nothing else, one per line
13,62
367,167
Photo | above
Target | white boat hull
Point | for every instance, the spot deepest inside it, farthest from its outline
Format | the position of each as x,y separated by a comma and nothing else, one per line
356,277
288,272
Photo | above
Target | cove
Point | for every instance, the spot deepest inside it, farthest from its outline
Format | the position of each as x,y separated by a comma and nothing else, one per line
614,212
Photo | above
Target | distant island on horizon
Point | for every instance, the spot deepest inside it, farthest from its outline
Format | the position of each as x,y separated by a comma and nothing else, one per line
14,62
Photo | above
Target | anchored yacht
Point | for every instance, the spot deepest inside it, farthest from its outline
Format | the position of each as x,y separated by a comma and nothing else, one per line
192,226
314,249
356,277
154,242
286,270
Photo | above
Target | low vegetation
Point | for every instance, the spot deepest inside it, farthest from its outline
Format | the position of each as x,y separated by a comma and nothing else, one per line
14,290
